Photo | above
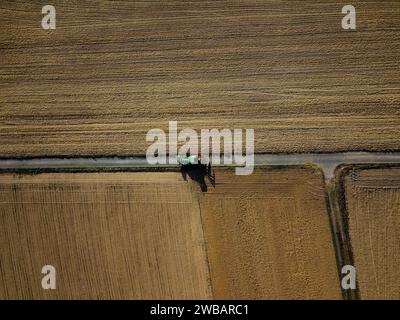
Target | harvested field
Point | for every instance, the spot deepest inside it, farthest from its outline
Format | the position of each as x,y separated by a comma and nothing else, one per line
109,236
113,70
268,236
373,208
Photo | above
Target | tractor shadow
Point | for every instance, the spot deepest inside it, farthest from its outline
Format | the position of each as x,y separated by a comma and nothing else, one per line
198,173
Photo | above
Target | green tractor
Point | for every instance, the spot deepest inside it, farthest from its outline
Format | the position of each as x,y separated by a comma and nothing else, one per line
187,160
192,167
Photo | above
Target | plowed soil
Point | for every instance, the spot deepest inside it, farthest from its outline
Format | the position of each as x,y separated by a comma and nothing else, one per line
268,236
373,205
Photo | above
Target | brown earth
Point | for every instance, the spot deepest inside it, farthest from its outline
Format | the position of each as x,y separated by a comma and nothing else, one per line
268,236
113,70
140,235
109,236
373,205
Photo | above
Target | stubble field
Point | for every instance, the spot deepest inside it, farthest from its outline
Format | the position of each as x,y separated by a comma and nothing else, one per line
109,236
112,71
